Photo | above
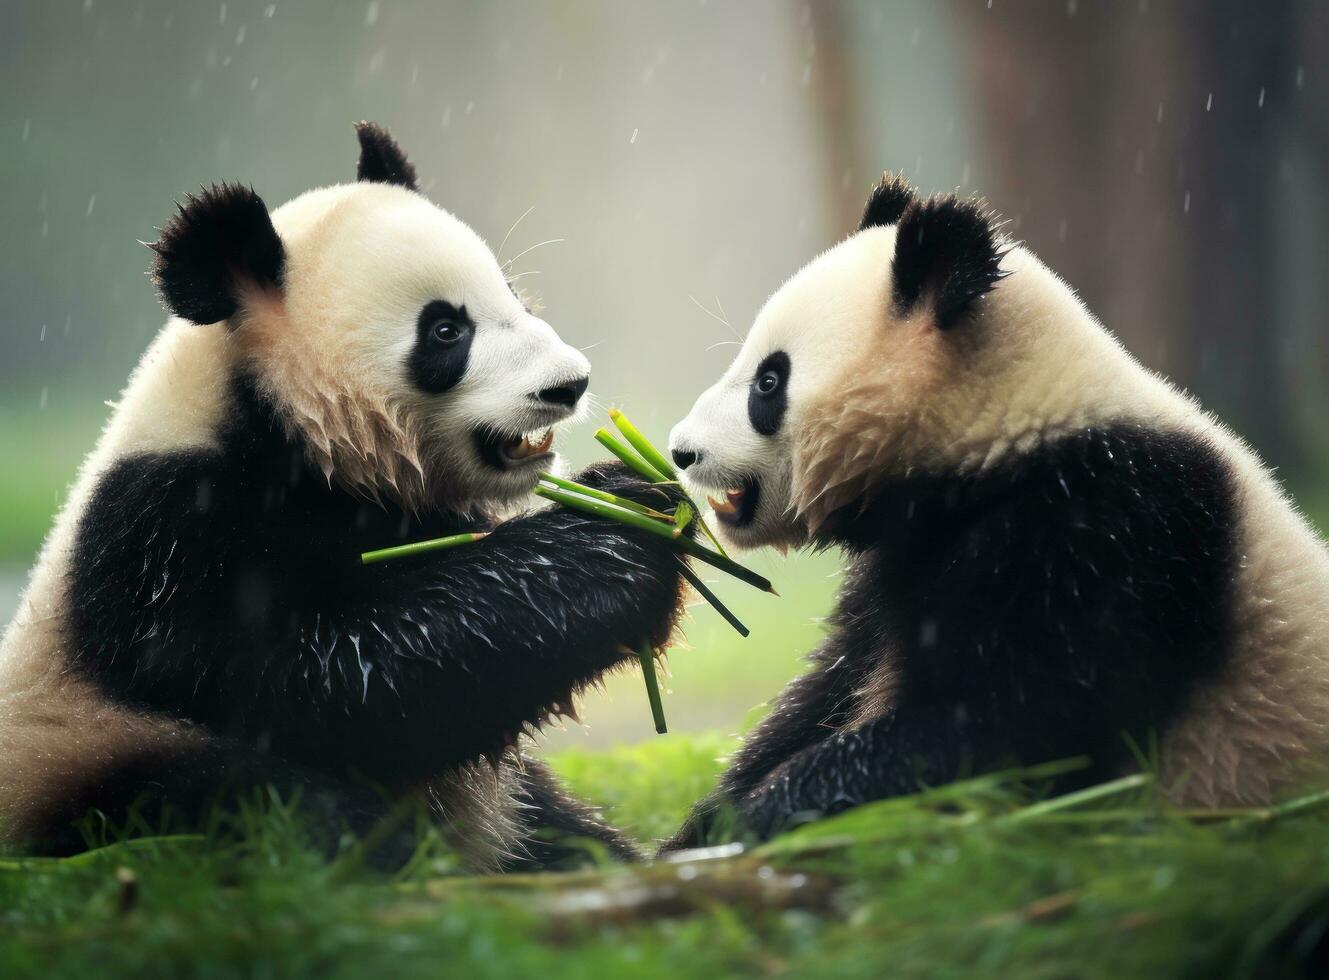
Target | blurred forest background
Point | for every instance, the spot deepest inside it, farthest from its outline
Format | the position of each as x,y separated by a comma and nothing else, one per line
1170,159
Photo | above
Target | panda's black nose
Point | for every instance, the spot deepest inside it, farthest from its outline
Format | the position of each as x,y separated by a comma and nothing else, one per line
564,394
683,459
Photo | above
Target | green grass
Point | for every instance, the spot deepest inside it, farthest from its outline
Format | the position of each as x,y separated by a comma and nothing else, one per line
967,880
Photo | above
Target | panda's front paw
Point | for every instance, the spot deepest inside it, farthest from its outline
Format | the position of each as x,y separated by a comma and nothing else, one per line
716,819
614,477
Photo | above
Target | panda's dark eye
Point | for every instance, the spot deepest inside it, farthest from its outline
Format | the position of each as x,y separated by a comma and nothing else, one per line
442,346
446,332
768,383
768,395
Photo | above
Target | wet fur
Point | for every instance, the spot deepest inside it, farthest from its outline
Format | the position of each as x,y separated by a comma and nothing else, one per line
1052,552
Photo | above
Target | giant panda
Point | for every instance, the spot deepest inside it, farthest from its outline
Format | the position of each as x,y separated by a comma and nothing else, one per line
349,371
1050,551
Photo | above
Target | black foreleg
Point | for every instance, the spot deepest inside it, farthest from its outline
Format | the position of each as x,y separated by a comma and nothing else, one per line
555,818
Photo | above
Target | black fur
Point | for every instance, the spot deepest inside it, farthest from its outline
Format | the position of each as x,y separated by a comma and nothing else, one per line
221,242
184,789
224,587
442,347
887,202
558,821
946,252
1060,605
381,159
766,409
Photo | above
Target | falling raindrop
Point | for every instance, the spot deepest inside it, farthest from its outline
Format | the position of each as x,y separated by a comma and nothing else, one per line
270,11
633,138
1186,204
1209,102
92,203
27,129
371,14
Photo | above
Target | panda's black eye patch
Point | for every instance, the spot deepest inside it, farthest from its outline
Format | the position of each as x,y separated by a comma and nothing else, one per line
768,395
442,347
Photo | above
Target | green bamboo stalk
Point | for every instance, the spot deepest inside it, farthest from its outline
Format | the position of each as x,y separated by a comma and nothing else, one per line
658,460
608,498
683,515
613,512
630,458
420,547
725,565
647,657
643,445
695,580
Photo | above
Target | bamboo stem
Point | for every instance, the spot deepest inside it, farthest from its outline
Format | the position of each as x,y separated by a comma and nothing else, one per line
630,458
608,498
598,508
643,445
695,580
747,575
647,657
420,547
657,459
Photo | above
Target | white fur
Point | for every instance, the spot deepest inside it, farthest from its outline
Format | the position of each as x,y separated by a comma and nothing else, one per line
873,395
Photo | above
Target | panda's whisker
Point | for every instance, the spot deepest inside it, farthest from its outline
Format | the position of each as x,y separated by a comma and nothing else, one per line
712,314
522,275
504,242
548,241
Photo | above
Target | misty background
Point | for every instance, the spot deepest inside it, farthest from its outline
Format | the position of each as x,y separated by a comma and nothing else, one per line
1170,160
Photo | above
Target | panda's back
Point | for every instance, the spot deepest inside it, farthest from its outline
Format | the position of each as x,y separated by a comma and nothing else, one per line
1263,723
57,729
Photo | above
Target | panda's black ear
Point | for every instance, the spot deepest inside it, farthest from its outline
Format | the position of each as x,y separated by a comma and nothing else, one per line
947,254
891,195
220,243
381,159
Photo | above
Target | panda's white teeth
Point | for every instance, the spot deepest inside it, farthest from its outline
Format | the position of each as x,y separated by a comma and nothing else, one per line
727,509
522,448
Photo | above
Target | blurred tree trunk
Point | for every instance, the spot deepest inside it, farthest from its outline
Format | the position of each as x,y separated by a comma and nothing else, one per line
1137,148
836,112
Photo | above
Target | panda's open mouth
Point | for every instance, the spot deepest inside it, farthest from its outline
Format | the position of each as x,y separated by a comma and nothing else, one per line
505,451
738,505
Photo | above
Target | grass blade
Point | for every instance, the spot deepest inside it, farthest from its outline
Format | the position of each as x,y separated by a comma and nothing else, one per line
420,547
1065,802
695,580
